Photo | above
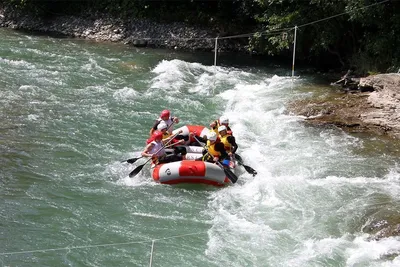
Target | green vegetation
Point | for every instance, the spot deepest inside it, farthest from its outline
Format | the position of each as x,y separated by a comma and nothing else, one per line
354,36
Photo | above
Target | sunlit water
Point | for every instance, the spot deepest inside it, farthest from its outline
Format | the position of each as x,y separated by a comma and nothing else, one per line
71,110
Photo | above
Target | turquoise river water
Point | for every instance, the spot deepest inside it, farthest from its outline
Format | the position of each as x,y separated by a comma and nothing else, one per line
71,110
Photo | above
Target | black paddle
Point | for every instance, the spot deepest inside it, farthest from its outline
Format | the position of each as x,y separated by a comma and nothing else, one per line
247,168
133,160
231,176
138,169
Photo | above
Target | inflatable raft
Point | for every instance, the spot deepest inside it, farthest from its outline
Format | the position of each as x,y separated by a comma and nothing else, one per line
190,171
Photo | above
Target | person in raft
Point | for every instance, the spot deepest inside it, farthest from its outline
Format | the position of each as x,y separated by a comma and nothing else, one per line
155,150
228,140
215,151
223,120
178,140
165,116
162,127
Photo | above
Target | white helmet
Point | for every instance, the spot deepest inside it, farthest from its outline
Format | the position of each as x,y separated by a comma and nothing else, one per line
223,120
161,126
221,128
212,136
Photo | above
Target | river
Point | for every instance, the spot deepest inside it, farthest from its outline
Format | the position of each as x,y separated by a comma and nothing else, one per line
72,110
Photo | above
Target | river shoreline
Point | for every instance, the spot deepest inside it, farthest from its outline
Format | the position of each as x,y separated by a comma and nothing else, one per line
137,32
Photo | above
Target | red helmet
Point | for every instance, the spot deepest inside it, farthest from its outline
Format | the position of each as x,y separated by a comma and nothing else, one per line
165,113
157,135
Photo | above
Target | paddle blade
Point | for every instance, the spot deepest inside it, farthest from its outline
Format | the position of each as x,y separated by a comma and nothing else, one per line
250,170
132,160
136,170
238,158
231,176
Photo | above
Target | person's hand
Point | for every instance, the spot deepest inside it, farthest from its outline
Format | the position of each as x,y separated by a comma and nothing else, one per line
213,124
176,120
230,154
179,142
216,159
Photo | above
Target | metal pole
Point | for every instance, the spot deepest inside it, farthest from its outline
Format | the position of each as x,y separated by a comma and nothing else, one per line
215,60
151,253
294,49
215,51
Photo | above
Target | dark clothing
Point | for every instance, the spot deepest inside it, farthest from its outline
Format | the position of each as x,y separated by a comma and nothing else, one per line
218,147
180,137
170,158
231,139
180,150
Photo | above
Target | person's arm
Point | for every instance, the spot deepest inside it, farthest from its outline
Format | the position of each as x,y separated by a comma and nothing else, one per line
214,125
145,152
232,141
154,127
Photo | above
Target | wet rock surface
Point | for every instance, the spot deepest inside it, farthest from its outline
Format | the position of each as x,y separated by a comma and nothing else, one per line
374,107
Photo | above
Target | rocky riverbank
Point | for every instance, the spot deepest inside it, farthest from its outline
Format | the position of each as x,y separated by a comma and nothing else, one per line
374,107
137,32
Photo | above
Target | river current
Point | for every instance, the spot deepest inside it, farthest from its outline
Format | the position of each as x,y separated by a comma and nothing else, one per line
72,110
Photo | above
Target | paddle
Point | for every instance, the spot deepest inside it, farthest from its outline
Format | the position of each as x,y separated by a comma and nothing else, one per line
247,168
231,176
133,160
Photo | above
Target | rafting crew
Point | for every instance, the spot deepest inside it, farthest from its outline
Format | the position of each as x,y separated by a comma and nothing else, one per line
165,116
220,144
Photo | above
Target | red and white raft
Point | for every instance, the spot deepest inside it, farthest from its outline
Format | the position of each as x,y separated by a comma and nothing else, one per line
190,171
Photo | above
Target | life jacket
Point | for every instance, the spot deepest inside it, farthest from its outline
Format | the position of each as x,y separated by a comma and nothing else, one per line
211,149
224,140
166,135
